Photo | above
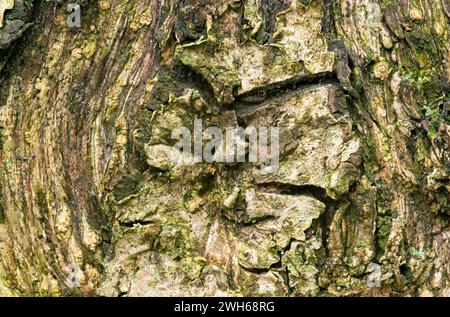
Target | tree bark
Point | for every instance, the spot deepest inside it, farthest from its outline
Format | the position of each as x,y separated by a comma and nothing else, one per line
360,202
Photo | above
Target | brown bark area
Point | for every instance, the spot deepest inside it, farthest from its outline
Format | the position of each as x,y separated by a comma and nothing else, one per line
82,109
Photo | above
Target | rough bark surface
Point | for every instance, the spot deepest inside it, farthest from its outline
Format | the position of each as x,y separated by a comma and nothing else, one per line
359,89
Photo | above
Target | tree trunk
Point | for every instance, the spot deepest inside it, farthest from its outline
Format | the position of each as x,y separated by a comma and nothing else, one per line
359,204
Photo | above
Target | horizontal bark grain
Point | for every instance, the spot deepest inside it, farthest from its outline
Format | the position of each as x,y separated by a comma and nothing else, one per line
360,89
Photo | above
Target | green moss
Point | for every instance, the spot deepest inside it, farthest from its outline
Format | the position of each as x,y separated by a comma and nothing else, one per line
418,254
369,153
383,228
174,240
2,138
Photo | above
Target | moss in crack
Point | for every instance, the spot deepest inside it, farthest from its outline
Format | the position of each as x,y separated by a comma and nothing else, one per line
383,228
2,138
41,202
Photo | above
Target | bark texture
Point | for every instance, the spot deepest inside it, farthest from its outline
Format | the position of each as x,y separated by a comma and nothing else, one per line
358,88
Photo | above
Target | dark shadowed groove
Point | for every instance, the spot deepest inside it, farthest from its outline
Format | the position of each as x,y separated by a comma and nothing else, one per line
278,89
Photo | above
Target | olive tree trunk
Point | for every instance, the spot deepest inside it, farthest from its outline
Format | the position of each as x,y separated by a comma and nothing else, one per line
359,204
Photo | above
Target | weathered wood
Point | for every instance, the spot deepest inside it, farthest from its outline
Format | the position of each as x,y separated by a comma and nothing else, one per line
359,89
